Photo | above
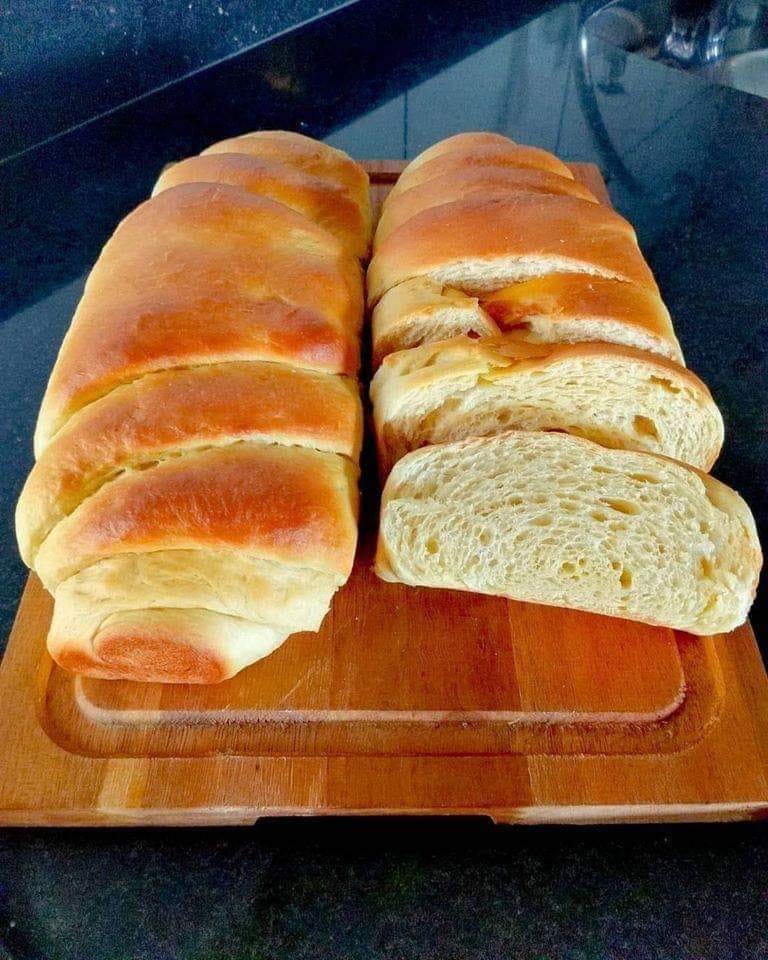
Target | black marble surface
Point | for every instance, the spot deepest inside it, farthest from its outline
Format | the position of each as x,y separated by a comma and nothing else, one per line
66,61
687,162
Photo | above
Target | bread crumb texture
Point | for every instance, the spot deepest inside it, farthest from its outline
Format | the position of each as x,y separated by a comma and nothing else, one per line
558,520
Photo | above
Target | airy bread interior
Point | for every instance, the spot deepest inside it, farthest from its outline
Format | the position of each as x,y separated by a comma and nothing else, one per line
554,519
616,396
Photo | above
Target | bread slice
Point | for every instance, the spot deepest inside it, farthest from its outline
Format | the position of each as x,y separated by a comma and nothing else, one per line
554,519
480,245
486,180
616,396
420,311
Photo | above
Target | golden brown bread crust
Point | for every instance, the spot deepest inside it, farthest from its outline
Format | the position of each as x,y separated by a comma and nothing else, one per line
551,233
304,153
146,646
197,334
466,141
161,646
482,179
172,411
450,157
321,200
228,605
286,504
204,273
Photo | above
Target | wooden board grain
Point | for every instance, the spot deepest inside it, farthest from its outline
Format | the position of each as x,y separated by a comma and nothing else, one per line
407,701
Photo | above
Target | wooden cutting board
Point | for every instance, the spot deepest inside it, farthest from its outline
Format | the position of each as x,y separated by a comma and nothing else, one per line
407,701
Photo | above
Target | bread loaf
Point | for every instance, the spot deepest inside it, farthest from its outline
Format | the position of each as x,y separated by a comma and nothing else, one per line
616,396
194,497
554,519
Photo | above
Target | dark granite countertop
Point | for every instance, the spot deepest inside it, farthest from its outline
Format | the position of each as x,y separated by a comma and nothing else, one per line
687,162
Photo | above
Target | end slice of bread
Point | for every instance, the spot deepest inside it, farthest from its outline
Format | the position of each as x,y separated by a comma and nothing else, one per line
617,396
554,519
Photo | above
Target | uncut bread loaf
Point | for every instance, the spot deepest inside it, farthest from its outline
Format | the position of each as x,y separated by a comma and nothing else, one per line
194,496
556,519
617,396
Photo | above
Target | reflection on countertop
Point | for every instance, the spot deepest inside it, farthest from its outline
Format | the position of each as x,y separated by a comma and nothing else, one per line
725,41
